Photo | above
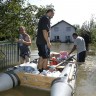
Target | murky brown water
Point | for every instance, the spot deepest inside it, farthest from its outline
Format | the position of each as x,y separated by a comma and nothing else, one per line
86,78
85,83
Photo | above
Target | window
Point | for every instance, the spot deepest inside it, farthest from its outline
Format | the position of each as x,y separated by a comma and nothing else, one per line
56,38
68,29
56,29
67,39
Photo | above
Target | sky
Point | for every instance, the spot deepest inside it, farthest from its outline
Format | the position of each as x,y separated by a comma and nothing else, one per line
71,11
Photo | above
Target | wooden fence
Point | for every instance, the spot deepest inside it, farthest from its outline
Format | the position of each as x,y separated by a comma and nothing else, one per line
9,54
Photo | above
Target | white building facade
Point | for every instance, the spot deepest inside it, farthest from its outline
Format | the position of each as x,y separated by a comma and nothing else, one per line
62,31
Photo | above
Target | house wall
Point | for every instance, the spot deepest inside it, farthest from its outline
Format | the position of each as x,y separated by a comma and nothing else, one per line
62,30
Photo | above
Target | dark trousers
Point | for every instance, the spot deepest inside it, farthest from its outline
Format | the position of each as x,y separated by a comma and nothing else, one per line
81,56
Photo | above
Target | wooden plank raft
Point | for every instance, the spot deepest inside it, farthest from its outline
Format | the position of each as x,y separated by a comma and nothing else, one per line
35,81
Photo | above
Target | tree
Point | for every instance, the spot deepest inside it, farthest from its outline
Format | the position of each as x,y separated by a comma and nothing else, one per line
89,25
14,13
42,10
10,17
28,18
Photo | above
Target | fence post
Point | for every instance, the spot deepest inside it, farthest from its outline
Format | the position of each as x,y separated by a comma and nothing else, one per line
18,52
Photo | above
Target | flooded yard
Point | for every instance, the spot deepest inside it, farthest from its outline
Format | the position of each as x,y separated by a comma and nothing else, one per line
86,78
85,83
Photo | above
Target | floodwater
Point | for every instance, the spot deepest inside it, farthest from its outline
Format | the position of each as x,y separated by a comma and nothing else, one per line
85,83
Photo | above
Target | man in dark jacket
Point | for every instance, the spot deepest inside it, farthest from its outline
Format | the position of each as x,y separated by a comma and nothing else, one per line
87,38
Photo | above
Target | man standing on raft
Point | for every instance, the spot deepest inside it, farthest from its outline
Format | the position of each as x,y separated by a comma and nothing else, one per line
43,40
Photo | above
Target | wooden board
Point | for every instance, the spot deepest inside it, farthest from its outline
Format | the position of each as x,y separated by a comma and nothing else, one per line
35,81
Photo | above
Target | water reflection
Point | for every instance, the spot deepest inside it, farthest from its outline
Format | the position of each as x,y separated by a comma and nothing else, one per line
61,46
24,91
56,46
86,77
